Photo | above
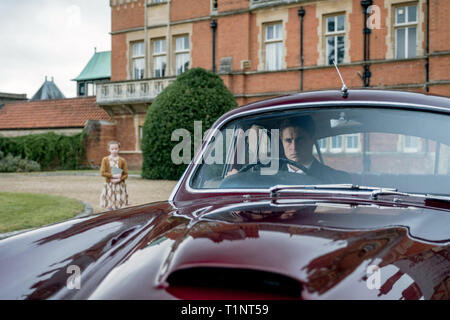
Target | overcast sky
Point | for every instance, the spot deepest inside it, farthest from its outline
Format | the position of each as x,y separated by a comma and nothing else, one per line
54,38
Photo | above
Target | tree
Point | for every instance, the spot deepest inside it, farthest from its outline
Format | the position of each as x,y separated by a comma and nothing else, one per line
196,95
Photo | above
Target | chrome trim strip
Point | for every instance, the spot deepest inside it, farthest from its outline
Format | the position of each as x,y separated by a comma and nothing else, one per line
177,186
306,105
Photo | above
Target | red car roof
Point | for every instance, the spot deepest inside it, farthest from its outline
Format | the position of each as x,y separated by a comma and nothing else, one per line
354,95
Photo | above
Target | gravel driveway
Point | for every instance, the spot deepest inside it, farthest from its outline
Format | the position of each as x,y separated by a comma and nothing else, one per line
86,187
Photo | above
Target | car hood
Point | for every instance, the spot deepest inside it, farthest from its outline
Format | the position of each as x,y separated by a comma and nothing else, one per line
297,249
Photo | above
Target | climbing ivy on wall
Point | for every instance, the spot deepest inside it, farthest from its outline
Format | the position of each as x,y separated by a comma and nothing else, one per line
50,150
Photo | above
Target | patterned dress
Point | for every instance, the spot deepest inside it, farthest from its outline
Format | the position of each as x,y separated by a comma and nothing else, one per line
114,195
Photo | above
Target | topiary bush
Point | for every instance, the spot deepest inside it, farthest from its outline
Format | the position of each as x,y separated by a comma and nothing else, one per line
196,95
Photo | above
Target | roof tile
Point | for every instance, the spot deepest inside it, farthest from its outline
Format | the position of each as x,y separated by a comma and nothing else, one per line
72,112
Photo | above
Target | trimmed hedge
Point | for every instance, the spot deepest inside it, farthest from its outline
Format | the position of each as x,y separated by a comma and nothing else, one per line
50,150
196,95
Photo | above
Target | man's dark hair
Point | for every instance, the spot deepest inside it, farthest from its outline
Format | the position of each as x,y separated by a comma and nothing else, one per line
304,122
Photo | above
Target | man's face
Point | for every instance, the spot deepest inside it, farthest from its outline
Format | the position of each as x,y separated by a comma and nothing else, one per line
297,144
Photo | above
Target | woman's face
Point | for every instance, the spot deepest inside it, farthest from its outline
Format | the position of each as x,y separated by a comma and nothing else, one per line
114,149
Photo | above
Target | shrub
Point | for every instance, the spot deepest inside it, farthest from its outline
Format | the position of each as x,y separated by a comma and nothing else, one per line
49,150
17,164
196,95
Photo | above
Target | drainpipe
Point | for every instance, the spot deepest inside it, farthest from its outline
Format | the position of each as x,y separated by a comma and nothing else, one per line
366,79
169,71
366,31
427,61
145,41
301,14
214,28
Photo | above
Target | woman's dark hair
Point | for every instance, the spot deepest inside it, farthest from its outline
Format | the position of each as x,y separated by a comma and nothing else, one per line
304,122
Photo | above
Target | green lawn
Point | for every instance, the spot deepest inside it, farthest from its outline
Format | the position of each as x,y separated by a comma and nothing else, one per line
28,210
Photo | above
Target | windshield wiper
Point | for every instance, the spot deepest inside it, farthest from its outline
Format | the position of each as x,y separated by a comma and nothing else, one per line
374,192
274,191
413,197
385,192
388,192
433,197
348,186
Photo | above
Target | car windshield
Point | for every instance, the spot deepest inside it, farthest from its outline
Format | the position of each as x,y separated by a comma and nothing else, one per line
380,147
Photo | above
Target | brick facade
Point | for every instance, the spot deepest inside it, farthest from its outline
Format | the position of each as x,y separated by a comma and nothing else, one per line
189,9
240,35
127,15
119,57
99,133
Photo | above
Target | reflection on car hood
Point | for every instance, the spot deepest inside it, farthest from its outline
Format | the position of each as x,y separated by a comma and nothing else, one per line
325,247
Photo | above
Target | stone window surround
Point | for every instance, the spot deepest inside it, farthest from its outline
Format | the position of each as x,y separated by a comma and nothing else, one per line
325,10
358,143
402,147
340,146
386,23
155,33
343,148
391,5
175,52
154,55
132,57
156,2
278,40
214,10
334,34
406,26
263,18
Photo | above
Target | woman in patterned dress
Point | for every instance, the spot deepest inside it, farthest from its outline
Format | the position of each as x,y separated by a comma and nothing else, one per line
114,194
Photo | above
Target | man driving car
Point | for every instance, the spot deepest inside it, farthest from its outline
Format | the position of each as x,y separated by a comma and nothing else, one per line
297,138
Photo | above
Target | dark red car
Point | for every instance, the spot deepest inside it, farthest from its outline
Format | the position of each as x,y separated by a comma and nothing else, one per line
319,195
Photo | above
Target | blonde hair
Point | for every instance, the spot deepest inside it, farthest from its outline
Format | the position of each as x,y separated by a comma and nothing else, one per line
113,142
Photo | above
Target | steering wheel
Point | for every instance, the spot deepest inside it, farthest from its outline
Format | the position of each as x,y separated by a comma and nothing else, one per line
244,178
258,165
